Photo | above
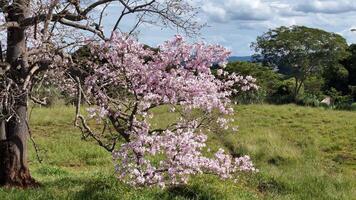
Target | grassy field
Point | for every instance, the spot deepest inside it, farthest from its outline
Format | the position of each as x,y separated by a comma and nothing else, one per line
302,153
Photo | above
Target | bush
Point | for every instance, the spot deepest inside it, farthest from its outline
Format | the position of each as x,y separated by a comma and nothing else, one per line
353,91
343,103
313,86
340,102
309,100
255,97
353,107
284,93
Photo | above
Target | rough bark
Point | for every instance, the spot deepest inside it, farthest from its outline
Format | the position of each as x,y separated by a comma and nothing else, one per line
14,170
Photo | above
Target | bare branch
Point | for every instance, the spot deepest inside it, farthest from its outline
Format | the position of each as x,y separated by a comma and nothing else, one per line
81,123
34,143
42,102
83,27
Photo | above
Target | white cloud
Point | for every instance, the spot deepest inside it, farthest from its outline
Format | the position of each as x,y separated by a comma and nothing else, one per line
246,10
326,6
237,23
215,12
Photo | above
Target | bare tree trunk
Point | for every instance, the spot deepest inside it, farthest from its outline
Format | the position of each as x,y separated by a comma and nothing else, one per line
298,86
2,131
14,169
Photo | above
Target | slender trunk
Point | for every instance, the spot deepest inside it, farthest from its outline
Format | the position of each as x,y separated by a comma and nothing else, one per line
2,131
298,86
14,169
295,90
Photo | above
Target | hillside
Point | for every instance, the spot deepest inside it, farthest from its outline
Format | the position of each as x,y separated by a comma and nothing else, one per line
302,153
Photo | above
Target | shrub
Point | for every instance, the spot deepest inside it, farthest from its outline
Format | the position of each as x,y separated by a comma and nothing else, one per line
284,93
254,97
353,107
309,100
313,85
353,92
341,102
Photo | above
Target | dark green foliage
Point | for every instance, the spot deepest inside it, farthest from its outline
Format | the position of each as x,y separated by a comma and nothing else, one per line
251,97
353,92
309,100
340,101
336,77
267,79
284,93
314,85
353,107
300,52
350,64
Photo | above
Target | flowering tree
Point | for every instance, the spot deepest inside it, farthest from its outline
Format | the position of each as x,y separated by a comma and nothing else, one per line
124,84
129,80
36,36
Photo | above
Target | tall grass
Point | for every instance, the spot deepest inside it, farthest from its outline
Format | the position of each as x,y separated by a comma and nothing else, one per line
302,153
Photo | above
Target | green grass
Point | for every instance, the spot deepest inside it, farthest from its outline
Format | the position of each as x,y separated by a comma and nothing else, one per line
302,153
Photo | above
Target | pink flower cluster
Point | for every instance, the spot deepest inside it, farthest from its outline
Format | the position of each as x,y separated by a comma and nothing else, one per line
129,79
179,155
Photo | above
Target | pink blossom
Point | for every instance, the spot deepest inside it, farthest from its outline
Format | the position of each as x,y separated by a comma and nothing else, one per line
135,79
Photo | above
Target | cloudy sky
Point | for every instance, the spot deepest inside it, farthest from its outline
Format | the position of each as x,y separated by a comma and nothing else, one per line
237,23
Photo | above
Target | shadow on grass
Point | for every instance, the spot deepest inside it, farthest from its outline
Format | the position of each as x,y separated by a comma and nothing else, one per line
193,192
109,188
86,187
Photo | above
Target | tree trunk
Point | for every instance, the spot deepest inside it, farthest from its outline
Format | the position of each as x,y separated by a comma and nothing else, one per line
298,86
2,131
14,171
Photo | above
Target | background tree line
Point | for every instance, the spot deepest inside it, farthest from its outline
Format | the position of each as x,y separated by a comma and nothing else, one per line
301,65
293,64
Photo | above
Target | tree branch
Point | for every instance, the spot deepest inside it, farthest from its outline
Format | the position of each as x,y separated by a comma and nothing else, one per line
83,27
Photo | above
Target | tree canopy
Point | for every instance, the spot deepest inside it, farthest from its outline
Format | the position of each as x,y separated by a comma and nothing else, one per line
299,51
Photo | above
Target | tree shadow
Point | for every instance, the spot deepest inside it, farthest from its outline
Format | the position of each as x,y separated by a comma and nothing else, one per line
193,192
109,188
98,189
86,187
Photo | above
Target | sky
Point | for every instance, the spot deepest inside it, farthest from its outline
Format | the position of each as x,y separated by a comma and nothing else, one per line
235,24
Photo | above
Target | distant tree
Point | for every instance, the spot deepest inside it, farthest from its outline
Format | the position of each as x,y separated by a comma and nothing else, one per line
337,77
350,64
299,52
266,78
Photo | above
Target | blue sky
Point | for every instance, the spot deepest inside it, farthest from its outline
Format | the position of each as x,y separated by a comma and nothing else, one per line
236,23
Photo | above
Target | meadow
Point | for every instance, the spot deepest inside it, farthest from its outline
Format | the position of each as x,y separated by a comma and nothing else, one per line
301,152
